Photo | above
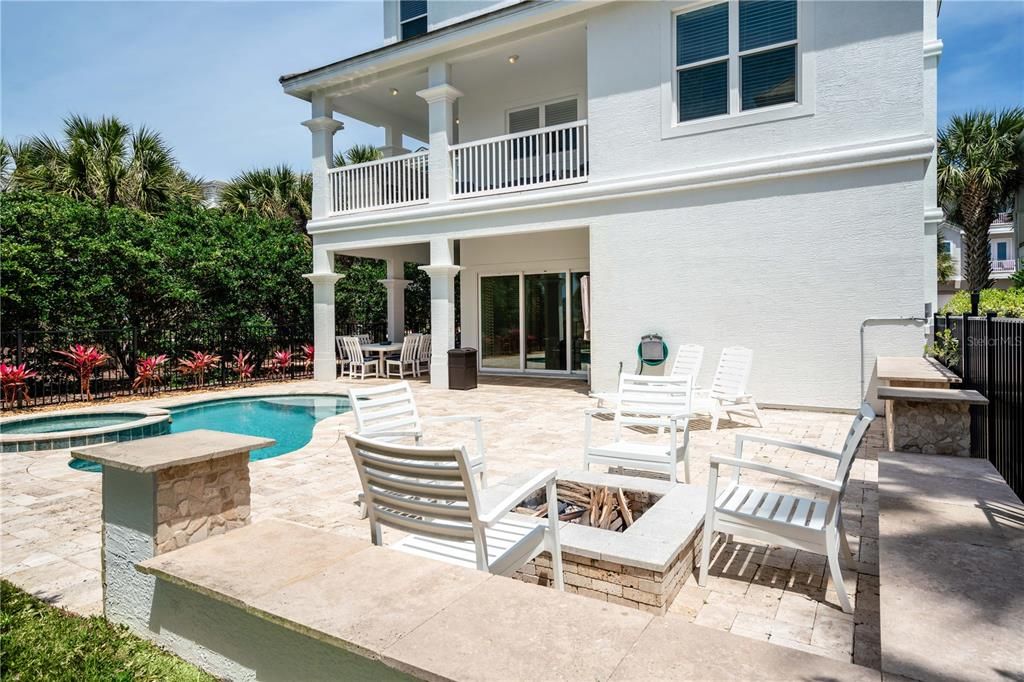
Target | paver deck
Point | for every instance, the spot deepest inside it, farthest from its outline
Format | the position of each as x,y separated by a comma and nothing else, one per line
51,513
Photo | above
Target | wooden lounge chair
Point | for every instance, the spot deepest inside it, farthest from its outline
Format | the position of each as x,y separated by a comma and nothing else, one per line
432,494
813,525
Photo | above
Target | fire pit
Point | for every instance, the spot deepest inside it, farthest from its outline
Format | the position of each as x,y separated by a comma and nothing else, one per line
597,506
628,540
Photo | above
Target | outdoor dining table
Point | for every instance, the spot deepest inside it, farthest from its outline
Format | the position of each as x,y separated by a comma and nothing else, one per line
382,350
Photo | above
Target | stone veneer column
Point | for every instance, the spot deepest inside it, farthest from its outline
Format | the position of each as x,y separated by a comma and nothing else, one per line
160,494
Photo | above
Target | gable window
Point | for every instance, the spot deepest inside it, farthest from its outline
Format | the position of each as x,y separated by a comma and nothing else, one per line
412,18
735,56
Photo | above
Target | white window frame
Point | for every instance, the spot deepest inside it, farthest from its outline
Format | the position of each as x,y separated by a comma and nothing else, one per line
580,115
805,74
402,23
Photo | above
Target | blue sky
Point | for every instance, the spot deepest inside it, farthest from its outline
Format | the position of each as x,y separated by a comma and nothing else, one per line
205,73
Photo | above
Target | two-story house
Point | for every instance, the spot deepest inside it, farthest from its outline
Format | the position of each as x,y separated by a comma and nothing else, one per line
729,172
1003,239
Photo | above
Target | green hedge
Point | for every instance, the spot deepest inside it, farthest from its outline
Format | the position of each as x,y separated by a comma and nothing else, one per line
1005,303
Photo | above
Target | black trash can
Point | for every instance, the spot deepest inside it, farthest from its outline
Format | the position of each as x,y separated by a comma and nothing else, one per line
462,369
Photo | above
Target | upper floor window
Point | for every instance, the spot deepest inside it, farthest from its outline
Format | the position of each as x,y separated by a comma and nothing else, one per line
735,56
412,18
548,114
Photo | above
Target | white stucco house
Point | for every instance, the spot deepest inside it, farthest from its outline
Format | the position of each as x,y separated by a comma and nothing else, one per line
1003,239
730,172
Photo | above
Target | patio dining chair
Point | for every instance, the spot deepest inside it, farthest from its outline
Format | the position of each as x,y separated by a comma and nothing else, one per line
431,494
811,524
423,355
728,393
405,362
339,341
662,403
359,366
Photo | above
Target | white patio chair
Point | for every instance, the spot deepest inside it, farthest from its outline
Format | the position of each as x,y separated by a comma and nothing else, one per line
659,402
689,357
431,494
364,339
359,366
728,392
339,341
392,410
405,363
423,355
813,525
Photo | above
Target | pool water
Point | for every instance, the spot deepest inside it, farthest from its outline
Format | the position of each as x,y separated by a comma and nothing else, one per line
72,422
289,420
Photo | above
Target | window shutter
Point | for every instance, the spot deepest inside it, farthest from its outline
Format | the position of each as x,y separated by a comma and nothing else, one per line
768,78
702,34
524,119
766,22
409,9
560,112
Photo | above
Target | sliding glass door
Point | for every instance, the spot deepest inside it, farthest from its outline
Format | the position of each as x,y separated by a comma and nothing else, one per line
532,322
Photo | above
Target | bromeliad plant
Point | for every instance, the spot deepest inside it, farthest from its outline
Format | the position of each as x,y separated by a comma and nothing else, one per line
307,357
197,364
14,381
282,361
147,373
243,367
83,361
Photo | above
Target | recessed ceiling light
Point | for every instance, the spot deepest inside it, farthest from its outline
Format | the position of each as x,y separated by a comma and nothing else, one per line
513,59
457,121
394,91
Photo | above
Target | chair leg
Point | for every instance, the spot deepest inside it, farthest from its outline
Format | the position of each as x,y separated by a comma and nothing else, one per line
832,548
761,421
705,550
715,411
844,544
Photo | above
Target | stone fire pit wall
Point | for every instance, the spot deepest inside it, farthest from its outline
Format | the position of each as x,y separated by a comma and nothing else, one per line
161,494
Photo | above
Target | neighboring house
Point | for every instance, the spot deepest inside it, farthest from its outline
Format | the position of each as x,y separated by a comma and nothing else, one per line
727,173
1003,253
212,190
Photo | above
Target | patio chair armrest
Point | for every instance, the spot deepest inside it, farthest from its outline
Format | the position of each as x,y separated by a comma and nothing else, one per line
741,439
816,481
501,498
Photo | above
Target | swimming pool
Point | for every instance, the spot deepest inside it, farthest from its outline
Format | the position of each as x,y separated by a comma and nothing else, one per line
288,419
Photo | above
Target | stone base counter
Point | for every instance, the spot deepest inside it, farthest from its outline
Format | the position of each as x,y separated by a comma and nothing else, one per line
929,421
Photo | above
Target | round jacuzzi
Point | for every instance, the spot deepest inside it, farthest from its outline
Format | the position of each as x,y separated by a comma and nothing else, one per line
76,428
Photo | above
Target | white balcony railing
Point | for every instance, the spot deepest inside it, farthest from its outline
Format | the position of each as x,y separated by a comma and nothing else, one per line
546,157
1004,266
387,183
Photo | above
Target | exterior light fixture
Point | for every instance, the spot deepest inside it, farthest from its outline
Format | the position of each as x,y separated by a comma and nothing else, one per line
394,92
513,59
457,121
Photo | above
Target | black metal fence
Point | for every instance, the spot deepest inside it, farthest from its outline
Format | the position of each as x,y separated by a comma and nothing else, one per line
992,363
56,384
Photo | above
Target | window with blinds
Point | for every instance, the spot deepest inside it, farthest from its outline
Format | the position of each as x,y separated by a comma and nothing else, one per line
543,115
760,59
412,18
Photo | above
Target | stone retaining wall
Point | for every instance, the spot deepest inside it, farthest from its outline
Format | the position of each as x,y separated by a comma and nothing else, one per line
932,428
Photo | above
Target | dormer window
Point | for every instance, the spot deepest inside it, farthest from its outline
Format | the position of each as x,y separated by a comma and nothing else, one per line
412,18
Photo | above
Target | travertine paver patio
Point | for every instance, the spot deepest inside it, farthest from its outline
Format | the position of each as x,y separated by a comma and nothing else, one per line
51,514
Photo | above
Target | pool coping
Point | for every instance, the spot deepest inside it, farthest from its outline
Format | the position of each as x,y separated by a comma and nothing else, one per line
152,419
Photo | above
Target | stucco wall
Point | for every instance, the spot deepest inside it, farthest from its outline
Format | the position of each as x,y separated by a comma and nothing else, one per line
868,86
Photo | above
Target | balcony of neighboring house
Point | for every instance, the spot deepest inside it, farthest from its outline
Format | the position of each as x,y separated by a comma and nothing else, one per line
503,119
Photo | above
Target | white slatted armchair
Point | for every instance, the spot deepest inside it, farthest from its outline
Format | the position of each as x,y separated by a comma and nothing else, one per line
423,355
391,410
728,392
812,524
339,341
658,402
359,366
405,363
432,494
688,360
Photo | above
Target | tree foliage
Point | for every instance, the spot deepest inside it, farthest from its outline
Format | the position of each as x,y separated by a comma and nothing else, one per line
275,193
103,160
980,165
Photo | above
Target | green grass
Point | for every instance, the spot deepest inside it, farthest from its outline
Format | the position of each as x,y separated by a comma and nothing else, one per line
40,642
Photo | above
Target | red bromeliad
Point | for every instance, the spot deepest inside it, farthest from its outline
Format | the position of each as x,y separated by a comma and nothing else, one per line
243,367
14,381
197,364
83,361
307,357
147,373
282,361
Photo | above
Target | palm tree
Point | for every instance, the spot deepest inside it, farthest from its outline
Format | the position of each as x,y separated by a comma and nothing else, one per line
9,153
105,160
277,192
357,153
980,165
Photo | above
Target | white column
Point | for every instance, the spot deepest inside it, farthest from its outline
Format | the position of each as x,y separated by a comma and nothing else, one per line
442,271
932,212
395,285
324,365
440,96
323,127
392,142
